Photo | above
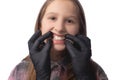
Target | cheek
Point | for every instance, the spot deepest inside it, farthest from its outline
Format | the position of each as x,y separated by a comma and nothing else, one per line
45,27
72,30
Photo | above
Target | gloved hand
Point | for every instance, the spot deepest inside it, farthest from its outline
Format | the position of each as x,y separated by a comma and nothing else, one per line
79,49
40,55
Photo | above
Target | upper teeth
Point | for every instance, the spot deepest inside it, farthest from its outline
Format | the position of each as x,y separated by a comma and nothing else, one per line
59,38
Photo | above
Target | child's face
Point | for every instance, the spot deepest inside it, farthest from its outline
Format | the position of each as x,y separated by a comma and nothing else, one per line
60,18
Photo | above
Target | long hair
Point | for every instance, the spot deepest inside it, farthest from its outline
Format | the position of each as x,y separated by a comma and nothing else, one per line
82,24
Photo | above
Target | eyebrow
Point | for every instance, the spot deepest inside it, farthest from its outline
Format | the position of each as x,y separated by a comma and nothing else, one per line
73,16
51,13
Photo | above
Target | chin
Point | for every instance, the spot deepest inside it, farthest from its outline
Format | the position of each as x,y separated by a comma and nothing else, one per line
59,47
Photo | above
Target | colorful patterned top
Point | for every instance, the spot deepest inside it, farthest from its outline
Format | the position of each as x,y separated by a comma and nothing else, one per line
25,71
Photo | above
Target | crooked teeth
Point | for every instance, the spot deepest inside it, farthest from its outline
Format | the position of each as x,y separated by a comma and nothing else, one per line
58,38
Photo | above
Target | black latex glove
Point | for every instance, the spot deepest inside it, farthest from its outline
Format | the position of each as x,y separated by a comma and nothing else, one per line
40,55
79,49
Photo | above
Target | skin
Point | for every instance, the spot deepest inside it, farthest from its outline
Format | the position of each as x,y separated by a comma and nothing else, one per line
60,18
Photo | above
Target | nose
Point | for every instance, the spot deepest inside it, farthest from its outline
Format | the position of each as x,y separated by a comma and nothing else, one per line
59,27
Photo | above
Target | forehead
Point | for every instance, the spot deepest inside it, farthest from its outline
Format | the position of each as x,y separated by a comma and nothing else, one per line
62,6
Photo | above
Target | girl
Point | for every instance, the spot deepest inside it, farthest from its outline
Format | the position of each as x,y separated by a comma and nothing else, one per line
59,48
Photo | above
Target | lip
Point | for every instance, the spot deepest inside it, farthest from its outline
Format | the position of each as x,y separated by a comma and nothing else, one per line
58,38
58,41
60,35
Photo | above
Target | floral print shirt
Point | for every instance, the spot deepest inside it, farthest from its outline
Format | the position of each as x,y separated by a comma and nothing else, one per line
25,71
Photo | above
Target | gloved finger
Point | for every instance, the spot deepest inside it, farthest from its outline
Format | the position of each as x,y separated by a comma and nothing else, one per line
77,41
45,52
33,38
47,46
85,39
41,40
71,49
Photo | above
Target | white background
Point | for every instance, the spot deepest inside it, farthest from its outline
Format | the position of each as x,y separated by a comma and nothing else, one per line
18,17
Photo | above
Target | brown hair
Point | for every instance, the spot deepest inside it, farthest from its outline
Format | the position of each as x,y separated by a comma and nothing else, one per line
81,15
82,23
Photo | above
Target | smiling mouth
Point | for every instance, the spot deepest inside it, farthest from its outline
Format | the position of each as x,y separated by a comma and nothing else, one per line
58,39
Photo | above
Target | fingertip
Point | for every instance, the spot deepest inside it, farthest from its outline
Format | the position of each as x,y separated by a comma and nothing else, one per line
67,35
50,33
69,41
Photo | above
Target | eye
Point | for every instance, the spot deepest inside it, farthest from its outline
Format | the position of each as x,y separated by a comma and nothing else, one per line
70,21
52,18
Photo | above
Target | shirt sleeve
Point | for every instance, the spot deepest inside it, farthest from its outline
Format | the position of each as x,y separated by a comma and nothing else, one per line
100,73
20,72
